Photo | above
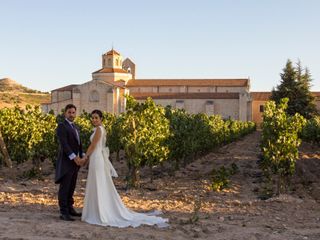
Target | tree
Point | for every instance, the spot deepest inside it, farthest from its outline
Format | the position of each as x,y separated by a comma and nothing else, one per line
295,85
306,103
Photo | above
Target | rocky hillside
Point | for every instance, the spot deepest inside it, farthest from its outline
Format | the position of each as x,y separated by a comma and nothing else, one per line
13,93
9,85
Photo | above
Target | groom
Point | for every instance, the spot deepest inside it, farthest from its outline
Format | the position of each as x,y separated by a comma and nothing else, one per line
68,163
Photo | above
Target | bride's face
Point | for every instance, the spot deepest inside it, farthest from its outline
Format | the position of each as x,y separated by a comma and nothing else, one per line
96,120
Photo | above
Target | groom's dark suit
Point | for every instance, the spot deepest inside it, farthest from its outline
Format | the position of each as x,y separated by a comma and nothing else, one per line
66,169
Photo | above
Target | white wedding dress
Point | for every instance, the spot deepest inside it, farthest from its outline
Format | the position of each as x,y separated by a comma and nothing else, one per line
102,203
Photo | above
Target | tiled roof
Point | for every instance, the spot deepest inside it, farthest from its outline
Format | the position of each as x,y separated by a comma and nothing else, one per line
141,96
113,52
188,82
260,96
111,70
66,88
264,96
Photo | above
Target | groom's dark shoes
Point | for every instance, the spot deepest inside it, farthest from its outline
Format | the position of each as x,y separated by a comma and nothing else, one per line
66,217
73,212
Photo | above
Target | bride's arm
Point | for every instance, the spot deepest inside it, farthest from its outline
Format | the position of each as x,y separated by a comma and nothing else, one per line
95,140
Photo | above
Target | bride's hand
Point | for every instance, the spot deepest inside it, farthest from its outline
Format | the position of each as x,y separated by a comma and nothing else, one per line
84,161
80,162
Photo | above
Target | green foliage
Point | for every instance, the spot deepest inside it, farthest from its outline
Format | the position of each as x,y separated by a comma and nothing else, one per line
48,146
28,133
143,134
280,141
149,134
194,134
181,142
83,122
311,132
221,177
114,136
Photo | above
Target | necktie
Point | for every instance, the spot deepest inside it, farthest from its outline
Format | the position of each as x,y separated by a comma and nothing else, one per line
75,130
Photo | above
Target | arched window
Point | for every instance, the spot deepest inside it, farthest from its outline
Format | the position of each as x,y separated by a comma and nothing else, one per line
109,62
94,96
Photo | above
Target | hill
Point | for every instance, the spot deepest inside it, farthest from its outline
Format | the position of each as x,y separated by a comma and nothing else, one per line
9,85
13,93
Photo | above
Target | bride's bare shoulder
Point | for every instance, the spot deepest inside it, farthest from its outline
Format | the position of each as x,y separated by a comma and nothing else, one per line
102,128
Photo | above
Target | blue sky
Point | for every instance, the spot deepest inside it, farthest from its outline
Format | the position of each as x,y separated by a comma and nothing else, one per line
49,44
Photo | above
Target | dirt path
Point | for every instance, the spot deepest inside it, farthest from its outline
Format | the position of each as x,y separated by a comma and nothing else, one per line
28,209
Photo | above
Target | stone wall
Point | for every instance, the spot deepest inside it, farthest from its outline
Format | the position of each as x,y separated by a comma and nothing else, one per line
57,96
227,108
94,95
231,89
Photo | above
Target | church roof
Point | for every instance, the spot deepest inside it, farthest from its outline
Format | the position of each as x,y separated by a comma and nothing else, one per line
66,88
218,95
113,52
111,70
189,82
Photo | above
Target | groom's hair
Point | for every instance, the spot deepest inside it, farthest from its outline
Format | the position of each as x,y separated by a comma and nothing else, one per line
69,106
96,111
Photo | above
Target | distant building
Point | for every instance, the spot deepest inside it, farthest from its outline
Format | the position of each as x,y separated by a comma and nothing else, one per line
230,98
259,100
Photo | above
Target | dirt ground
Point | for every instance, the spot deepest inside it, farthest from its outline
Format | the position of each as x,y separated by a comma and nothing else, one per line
28,208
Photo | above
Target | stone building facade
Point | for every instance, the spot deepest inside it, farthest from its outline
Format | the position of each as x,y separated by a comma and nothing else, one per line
230,98
227,97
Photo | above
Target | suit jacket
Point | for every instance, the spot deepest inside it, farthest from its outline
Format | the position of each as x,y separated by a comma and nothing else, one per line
68,144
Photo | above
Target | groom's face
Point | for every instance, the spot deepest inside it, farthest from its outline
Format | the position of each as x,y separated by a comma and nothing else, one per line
70,114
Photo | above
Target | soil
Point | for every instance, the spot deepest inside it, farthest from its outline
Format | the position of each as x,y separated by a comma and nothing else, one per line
28,207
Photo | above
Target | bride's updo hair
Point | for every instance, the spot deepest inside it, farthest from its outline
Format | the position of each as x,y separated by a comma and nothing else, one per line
98,112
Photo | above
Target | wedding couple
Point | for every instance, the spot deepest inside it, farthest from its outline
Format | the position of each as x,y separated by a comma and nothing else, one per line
102,203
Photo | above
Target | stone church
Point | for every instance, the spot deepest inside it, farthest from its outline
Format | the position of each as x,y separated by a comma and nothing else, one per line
228,97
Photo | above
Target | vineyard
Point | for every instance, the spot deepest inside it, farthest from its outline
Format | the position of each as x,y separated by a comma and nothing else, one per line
213,178
150,135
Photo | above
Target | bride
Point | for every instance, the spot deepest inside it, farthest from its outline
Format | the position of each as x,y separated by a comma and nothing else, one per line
102,203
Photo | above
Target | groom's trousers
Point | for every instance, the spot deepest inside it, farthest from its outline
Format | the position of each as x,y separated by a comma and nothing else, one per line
66,190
